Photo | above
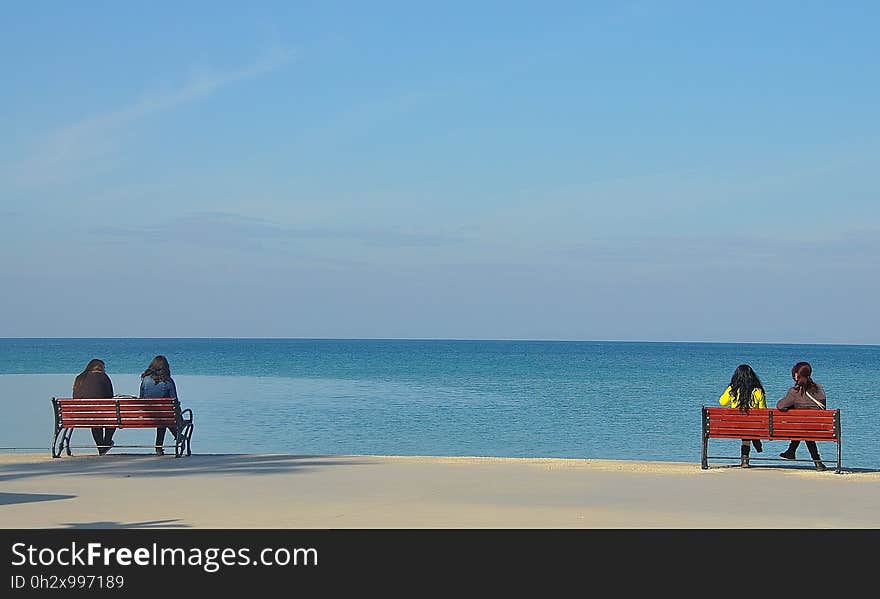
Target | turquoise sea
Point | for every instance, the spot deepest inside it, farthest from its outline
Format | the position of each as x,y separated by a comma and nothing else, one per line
608,400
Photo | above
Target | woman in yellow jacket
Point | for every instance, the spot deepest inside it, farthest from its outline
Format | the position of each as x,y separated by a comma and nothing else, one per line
745,383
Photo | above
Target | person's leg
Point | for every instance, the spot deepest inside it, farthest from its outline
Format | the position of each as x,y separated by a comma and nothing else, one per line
173,431
744,453
814,453
160,440
108,438
789,454
98,436
759,447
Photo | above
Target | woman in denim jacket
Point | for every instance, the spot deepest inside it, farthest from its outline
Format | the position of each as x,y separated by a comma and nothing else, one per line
156,381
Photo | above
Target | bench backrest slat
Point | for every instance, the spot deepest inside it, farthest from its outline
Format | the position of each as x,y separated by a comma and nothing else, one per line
117,412
771,423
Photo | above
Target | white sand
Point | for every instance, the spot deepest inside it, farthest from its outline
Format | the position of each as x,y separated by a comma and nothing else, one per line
285,491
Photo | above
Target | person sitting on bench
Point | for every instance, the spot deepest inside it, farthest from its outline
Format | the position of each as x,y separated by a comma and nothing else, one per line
93,383
156,381
805,394
745,384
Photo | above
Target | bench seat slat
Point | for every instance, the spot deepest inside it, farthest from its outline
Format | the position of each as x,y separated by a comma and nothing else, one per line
146,423
123,408
787,429
742,434
139,413
812,423
112,400
778,429
739,430
87,413
130,423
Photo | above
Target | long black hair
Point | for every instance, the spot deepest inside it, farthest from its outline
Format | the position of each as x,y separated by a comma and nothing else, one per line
159,369
743,384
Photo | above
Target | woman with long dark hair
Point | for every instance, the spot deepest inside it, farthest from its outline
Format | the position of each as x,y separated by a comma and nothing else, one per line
745,384
156,381
805,394
94,383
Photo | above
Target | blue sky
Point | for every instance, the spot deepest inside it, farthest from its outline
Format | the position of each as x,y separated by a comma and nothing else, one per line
669,171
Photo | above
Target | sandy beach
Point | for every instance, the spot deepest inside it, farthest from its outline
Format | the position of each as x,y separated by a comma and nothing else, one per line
301,491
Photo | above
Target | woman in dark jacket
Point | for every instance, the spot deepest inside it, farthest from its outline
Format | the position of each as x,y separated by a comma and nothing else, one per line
805,394
93,382
156,381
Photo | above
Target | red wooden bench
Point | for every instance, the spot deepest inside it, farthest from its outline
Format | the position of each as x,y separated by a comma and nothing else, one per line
769,425
121,412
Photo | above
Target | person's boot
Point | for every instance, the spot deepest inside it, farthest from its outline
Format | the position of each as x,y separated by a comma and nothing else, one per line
744,456
108,445
788,454
817,459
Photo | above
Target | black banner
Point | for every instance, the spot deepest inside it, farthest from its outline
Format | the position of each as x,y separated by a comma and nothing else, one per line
405,561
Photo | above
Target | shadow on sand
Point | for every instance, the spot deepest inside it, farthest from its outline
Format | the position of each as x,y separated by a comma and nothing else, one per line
157,524
789,466
140,465
10,498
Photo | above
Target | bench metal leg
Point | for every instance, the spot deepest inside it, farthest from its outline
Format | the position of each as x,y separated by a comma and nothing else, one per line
704,459
183,441
189,432
55,454
65,441
838,457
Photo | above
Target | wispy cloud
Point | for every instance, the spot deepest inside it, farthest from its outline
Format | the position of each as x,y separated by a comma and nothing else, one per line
228,230
57,154
853,248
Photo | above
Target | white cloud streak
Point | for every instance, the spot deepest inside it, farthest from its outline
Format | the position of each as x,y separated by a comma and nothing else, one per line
227,230
58,154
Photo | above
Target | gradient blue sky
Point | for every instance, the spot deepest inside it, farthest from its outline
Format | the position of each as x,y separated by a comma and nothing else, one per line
669,171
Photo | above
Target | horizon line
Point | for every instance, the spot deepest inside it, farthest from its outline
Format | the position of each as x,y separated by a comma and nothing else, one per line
473,339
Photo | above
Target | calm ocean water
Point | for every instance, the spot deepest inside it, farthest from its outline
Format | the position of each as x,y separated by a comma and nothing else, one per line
609,400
